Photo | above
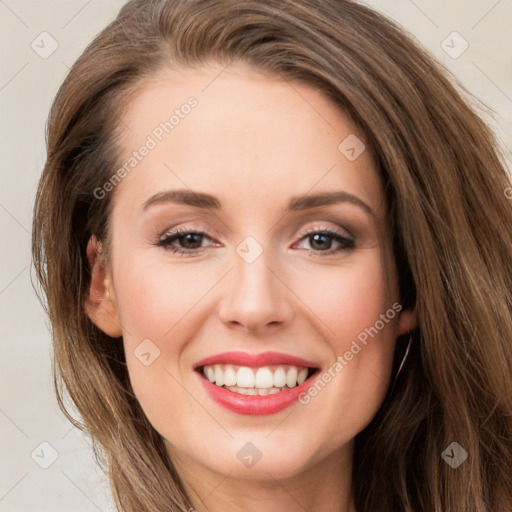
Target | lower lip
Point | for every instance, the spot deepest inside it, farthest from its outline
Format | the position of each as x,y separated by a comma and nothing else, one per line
254,405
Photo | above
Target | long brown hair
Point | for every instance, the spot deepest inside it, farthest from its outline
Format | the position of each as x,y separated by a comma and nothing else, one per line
450,219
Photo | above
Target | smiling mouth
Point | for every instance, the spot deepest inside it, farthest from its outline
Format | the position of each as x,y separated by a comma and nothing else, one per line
261,381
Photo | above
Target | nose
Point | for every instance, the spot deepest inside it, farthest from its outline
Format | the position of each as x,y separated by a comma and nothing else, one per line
257,298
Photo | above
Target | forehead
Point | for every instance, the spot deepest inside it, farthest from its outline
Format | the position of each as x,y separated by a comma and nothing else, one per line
235,131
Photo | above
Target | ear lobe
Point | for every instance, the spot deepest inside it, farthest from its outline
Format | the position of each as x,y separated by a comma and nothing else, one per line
407,321
100,304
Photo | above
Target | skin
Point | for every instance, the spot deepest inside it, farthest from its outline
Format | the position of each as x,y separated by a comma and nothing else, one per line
253,141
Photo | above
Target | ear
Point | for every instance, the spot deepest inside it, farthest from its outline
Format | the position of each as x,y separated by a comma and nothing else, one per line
407,321
100,304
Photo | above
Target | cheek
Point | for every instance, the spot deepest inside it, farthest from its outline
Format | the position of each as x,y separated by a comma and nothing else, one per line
155,303
354,305
348,298
153,299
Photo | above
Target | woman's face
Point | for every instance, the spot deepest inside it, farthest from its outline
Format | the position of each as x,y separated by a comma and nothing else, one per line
290,267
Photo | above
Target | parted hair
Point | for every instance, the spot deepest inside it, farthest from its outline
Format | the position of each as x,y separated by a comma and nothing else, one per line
450,219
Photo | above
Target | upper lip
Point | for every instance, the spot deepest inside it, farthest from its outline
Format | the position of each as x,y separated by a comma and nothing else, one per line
262,359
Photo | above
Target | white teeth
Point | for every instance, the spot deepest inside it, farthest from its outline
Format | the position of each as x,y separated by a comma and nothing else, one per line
291,377
264,378
279,377
245,377
301,377
255,391
229,376
256,381
219,375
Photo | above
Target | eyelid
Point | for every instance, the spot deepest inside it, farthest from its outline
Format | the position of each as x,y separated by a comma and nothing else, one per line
348,243
327,229
183,230
175,232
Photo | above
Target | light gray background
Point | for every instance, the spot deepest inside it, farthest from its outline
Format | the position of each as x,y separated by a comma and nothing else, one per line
28,411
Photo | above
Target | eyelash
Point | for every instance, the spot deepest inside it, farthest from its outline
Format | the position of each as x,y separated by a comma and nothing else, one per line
347,243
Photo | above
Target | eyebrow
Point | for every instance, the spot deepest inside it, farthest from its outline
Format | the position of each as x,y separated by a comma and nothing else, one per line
207,201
